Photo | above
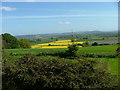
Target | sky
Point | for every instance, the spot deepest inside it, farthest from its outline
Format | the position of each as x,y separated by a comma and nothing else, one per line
60,0
24,18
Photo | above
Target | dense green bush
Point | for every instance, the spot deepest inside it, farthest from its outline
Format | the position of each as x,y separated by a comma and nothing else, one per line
24,43
31,72
72,51
95,44
9,41
6,57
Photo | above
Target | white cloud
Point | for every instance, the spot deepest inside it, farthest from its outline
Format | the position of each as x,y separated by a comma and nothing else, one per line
7,8
64,22
58,16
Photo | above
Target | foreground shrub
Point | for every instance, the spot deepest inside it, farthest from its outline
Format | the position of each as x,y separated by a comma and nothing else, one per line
35,73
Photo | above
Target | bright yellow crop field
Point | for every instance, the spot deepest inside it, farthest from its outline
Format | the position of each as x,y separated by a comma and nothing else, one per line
56,44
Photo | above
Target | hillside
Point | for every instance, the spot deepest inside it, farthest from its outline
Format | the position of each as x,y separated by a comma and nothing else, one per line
68,34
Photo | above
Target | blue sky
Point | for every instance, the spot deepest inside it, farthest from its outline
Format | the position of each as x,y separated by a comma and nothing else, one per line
21,18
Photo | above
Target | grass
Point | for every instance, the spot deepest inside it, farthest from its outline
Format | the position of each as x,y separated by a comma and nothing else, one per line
102,50
33,51
107,50
88,40
111,62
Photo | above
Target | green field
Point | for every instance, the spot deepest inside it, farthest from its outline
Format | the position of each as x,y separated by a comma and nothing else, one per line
97,50
111,64
107,50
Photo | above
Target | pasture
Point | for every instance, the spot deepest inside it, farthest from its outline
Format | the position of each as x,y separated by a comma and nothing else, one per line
103,50
107,50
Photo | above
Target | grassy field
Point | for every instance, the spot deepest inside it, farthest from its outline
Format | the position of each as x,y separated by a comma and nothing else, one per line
101,50
111,64
107,50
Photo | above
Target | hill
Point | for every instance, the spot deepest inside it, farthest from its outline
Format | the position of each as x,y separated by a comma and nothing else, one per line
68,34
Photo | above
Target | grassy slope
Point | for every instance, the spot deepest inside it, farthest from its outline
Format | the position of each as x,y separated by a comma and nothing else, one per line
108,49
33,51
112,64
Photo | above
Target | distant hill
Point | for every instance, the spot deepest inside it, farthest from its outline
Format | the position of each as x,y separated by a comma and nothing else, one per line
98,33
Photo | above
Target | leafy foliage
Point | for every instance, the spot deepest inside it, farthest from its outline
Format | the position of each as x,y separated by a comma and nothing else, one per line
9,41
24,43
72,50
95,44
31,72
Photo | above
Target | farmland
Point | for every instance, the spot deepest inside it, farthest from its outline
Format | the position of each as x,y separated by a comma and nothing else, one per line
53,58
59,45
108,50
56,44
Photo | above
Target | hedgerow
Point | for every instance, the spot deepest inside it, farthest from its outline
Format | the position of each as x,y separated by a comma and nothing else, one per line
32,72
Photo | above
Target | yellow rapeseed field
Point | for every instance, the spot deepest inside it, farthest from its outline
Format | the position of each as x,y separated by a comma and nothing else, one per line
56,44
55,47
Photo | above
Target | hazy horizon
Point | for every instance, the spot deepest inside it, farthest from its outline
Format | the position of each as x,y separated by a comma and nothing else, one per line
26,18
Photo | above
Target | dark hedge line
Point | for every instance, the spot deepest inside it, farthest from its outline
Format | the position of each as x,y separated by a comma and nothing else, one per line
78,55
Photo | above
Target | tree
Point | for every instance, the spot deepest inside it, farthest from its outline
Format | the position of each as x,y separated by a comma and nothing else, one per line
24,43
10,41
72,50
95,44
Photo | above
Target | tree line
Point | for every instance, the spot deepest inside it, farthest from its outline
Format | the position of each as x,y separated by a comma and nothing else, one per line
11,42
